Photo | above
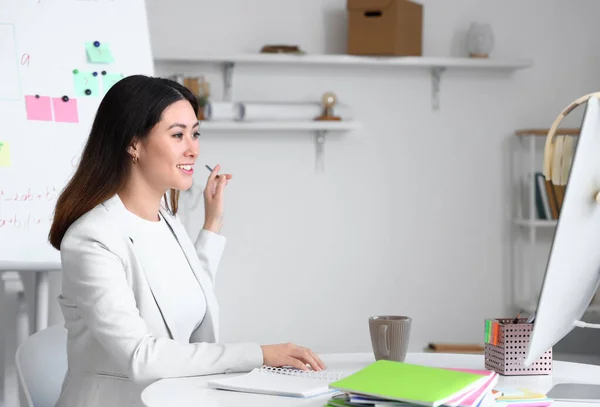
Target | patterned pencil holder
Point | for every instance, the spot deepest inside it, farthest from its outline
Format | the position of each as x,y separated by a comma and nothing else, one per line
506,345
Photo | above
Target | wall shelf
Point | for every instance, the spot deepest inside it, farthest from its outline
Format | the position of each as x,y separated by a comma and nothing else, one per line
319,128
326,126
436,65
536,223
308,59
531,307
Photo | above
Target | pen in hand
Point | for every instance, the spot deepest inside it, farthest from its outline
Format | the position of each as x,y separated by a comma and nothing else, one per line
210,169
226,176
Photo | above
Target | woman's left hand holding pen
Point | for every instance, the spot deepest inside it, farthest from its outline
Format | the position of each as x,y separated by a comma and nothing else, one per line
213,199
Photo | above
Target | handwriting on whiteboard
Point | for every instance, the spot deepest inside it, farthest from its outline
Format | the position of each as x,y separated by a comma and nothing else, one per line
24,221
47,194
25,58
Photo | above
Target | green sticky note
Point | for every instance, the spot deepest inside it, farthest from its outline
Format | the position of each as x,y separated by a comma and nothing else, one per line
4,154
109,79
487,330
98,52
86,83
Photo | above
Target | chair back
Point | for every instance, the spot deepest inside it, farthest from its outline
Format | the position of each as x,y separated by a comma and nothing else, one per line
41,362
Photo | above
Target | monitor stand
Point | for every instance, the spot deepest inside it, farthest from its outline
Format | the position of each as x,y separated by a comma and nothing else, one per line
575,392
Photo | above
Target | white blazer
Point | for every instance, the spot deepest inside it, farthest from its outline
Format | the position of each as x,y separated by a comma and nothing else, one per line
120,338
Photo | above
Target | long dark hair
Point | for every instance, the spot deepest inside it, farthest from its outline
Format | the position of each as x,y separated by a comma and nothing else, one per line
130,109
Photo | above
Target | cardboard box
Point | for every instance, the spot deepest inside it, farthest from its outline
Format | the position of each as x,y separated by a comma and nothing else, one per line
384,27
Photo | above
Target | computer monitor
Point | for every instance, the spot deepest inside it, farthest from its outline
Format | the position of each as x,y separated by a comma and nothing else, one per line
573,269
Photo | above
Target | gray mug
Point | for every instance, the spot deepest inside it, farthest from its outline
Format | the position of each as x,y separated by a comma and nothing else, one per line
390,335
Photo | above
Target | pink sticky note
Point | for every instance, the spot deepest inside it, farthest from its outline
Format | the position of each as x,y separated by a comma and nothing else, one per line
38,107
65,110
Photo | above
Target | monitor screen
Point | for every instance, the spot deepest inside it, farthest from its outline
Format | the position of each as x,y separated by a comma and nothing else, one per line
573,268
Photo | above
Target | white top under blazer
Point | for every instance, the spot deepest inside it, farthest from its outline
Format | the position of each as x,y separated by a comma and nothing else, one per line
158,237
139,305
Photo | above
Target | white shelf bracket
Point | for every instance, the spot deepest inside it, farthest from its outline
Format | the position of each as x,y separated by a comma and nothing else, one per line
228,81
320,150
436,80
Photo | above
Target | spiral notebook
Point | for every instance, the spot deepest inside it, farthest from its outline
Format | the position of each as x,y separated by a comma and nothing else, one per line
280,381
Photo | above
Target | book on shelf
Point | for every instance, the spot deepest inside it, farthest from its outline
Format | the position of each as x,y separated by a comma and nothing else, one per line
548,197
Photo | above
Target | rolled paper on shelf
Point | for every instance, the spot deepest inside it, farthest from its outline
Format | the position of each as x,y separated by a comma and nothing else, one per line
222,111
265,111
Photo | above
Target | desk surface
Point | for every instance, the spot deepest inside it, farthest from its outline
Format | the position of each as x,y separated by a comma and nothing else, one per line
193,391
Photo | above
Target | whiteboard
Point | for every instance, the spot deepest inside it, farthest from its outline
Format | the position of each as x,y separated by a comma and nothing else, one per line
57,59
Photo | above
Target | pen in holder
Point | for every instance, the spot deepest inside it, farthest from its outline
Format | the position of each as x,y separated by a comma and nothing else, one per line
506,341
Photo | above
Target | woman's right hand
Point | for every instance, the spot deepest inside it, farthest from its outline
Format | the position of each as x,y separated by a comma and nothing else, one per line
291,355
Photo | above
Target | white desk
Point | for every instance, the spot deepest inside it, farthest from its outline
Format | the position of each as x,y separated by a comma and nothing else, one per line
192,391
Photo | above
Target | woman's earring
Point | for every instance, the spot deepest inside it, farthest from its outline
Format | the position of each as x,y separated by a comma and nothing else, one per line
135,159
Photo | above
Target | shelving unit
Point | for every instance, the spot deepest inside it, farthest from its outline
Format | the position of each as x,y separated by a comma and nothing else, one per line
536,223
332,126
228,63
528,160
436,65
530,307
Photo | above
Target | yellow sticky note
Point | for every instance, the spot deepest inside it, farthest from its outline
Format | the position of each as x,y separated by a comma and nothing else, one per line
4,154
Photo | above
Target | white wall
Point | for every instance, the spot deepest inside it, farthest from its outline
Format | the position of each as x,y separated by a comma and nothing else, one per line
411,214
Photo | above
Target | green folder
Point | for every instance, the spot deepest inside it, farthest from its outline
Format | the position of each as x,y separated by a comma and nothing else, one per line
423,385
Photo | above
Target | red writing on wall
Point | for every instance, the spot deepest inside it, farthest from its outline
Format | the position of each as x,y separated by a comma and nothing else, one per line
29,195
25,221
25,58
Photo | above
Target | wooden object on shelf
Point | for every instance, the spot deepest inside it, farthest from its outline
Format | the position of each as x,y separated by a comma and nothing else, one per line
384,28
199,88
281,49
552,171
192,84
201,113
544,132
555,190
455,348
330,118
328,100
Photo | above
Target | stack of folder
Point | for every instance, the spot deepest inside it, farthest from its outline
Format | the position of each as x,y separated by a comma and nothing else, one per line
390,384
521,397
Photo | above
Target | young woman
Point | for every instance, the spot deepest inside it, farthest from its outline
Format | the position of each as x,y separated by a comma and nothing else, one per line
137,294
